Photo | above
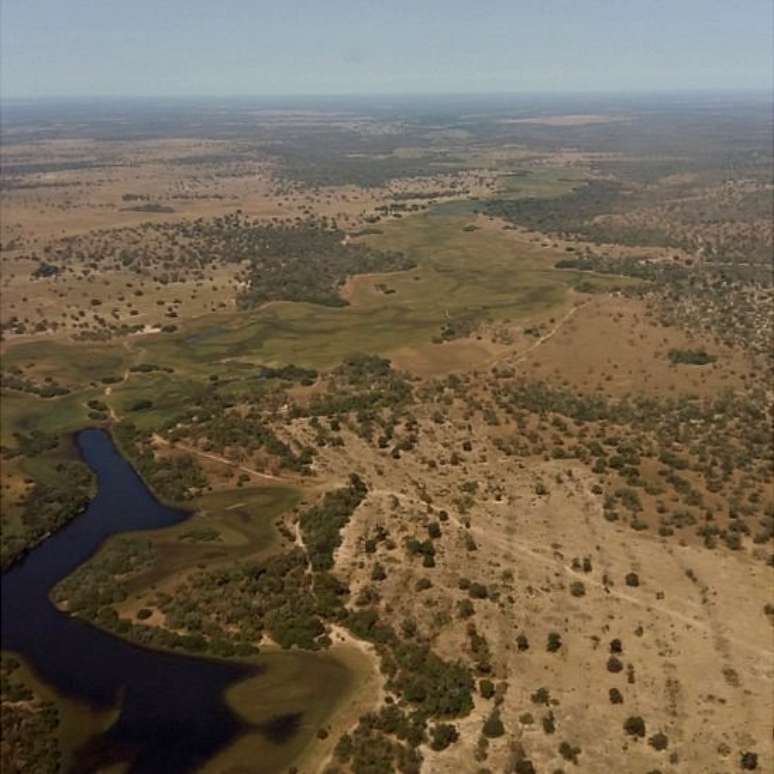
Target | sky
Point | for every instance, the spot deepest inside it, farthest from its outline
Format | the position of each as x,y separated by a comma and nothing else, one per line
59,48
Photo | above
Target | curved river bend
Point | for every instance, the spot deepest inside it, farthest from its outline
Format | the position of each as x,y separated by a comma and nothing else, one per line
172,716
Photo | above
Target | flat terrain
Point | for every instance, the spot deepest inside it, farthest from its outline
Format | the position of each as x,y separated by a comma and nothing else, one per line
471,408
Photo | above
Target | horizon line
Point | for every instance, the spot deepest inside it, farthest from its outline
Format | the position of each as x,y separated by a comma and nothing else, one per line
760,90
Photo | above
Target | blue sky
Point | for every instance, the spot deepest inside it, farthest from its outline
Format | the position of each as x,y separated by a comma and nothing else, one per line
238,47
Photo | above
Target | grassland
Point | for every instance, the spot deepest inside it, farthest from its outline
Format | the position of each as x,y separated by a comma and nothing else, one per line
541,182
479,274
227,526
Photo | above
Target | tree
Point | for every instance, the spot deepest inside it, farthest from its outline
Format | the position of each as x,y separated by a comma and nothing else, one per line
614,665
493,726
554,642
632,579
616,697
442,735
634,726
486,689
659,741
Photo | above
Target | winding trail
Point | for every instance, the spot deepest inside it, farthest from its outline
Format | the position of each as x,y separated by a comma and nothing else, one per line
216,458
542,339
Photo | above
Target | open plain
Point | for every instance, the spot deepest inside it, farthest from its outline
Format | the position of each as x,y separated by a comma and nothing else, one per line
470,411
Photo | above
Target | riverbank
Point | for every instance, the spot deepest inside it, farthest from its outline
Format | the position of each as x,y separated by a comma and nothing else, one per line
176,710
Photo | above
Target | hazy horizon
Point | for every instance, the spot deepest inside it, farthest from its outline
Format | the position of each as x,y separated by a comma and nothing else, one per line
364,95
346,48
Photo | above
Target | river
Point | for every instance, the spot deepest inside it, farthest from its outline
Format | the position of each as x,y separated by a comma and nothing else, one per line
173,716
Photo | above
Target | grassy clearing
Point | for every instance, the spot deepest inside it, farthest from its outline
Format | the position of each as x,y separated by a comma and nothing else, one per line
23,413
167,392
540,182
481,273
238,523
69,363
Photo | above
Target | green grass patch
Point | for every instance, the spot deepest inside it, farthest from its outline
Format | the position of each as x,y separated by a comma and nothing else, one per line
482,274
540,182
69,363
243,520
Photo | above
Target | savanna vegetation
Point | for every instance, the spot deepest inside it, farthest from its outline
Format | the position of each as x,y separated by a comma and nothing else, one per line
369,308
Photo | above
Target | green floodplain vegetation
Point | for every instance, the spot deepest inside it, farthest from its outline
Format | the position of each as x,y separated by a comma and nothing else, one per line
75,721
478,273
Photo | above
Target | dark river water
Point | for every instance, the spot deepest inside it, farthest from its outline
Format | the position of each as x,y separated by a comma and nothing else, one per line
172,714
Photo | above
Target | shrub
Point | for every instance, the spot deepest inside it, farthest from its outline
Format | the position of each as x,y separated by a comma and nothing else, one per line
577,589
659,741
465,608
634,726
632,579
378,573
486,689
614,665
442,735
569,753
322,523
554,642
691,357
541,696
